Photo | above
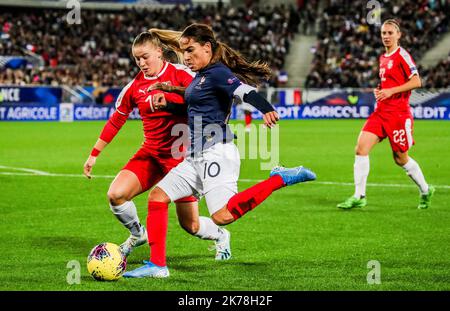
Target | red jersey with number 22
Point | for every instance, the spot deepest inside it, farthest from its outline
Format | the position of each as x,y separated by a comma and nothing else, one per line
396,69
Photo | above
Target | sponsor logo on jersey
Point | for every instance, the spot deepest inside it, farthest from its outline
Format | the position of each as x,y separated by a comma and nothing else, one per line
199,85
232,80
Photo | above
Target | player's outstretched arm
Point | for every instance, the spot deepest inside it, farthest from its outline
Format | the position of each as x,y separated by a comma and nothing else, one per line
167,88
249,95
110,130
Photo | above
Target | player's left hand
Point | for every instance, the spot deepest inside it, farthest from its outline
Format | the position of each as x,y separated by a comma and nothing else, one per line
160,86
88,165
159,101
271,118
382,94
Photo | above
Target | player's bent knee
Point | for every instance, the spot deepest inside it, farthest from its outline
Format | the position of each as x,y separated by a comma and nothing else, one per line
222,217
158,195
190,227
400,161
116,197
361,151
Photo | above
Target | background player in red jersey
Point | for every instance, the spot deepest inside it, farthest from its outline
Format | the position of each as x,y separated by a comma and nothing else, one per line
155,158
392,118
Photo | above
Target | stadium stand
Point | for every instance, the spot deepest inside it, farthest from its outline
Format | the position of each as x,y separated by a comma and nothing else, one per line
348,47
437,76
97,51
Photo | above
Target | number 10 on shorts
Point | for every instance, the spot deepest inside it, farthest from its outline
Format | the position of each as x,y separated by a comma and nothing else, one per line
211,169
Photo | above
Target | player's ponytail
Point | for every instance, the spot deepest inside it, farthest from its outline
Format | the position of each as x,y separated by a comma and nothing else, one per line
248,72
167,40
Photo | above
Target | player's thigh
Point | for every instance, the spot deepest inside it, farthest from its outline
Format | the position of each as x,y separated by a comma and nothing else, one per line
182,181
400,133
219,164
146,167
220,172
366,141
125,186
371,134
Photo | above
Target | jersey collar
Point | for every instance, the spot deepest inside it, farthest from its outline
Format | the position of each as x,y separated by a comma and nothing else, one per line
166,64
392,53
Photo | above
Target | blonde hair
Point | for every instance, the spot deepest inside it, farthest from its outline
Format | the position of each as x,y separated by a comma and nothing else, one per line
248,72
392,22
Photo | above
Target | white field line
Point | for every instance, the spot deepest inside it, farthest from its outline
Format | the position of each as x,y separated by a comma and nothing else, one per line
30,172
36,172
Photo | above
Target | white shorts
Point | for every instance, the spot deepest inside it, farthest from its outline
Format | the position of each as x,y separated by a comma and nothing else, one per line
213,175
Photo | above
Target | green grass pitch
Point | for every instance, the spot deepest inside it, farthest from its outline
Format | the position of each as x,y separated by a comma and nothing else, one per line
296,240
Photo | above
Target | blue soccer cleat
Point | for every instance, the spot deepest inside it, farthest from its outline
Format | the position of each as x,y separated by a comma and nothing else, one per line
149,270
294,175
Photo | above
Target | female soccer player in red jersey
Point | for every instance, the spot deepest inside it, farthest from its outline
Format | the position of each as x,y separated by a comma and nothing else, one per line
212,165
155,158
392,118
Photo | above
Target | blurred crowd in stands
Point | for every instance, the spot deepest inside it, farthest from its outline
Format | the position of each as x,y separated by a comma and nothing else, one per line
437,76
98,51
349,46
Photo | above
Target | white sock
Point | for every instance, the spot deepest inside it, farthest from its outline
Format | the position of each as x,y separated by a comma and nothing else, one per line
413,170
208,230
126,213
360,172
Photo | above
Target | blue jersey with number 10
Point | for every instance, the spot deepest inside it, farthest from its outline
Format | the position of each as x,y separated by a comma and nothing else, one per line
209,98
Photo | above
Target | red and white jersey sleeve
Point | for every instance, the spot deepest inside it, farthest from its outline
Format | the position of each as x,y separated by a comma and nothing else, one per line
396,69
178,75
184,75
407,63
124,102
124,105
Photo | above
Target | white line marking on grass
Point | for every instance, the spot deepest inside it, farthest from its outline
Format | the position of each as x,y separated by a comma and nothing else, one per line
25,170
55,175
30,172
352,184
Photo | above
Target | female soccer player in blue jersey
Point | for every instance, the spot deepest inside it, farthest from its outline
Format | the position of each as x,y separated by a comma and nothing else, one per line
212,167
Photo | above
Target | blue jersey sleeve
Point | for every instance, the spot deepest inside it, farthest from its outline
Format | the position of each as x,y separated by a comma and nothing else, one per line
225,81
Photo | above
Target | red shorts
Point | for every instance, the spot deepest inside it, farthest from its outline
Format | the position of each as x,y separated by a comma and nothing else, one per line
396,125
150,169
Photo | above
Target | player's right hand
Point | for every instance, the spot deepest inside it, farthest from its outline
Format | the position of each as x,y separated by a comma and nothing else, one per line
90,162
270,118
159,101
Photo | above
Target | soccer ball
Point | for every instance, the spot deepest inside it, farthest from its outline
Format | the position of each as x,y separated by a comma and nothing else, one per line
106,262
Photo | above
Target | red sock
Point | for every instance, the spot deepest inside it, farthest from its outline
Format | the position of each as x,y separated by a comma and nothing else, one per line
248,119
248,199
157,219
